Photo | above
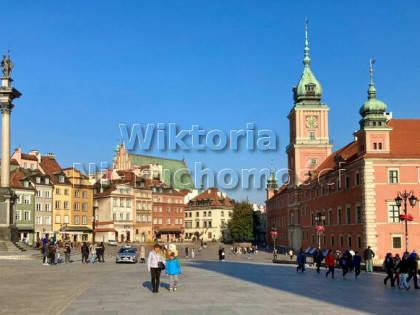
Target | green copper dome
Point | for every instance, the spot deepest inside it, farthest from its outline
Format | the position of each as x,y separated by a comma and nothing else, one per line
373,110
117,148
272,181
308,87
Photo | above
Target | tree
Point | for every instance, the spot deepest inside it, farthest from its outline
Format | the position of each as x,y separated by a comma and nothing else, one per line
241,225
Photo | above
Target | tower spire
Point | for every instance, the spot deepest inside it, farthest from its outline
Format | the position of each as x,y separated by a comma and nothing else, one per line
371,90
306,60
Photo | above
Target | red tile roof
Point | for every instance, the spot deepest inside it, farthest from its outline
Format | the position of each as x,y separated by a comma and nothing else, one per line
28,157
213,195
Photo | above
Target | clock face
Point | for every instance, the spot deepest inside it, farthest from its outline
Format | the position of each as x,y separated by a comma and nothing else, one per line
311,122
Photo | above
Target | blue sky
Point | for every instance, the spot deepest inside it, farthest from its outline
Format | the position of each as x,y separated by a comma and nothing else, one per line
84,67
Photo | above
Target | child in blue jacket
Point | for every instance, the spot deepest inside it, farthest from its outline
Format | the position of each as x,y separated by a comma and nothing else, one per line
173,269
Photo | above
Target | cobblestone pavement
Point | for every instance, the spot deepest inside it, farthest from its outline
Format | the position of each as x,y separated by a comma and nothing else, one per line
236,286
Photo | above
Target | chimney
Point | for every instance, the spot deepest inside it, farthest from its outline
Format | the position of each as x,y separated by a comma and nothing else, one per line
36,154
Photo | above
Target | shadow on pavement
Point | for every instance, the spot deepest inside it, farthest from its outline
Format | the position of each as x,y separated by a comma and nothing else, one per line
367,293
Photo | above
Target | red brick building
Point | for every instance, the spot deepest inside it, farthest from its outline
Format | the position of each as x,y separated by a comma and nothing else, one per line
353,188
168,212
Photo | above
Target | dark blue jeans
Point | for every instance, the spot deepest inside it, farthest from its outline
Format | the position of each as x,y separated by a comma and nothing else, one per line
330,269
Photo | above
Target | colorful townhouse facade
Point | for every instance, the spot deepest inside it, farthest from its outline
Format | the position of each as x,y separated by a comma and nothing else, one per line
346,199
25,203
207,214
81,207
43,202
168,213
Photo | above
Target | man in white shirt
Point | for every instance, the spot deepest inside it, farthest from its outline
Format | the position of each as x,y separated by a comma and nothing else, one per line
153,267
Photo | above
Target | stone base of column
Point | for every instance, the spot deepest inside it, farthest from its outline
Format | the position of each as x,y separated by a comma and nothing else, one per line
9,234
8,231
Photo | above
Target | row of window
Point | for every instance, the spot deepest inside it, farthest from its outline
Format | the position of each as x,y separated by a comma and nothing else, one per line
168,210
168,221
206,224
47,194
144,205
40,220
45,207
66,205
66,219
332,243
122,202
26,199
206,214
121,217
26,215
396,241
329,220
143,218
66,192
168,200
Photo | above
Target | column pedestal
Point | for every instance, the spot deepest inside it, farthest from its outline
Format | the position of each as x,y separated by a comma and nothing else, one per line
8,231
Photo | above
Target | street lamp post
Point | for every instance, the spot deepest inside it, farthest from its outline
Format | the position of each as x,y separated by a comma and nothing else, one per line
406,217
320,218
274,235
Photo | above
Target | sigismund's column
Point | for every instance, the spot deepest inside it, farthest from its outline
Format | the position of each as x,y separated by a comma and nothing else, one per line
8,230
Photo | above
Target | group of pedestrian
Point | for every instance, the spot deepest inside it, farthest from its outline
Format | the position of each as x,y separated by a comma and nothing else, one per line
96,251
401,270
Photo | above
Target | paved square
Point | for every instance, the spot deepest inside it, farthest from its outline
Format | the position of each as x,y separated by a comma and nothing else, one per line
206,287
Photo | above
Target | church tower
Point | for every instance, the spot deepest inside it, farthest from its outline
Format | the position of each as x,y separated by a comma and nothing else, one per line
308,120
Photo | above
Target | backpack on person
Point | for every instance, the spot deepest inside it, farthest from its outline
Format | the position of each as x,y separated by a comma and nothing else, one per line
384,265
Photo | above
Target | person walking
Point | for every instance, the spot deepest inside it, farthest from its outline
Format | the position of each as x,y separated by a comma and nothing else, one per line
349,261
330,263
186,252
142,254
57,253
153,267
52,254
414,268
397,259
199,251
291,254
389,269
403,267
344,264
101,252
67,251
93,248
45,250
221,254
173,269
357,260
301,260
368,255
192,253
85,253
318,258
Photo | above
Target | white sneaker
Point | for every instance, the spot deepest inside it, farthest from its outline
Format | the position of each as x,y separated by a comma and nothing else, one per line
174,288
170,290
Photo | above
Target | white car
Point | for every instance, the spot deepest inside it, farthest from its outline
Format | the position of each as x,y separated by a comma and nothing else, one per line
112,243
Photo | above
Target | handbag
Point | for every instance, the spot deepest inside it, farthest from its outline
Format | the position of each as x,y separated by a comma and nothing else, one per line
161,266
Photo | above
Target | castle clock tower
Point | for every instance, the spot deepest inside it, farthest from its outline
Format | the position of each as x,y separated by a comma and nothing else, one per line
308,120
